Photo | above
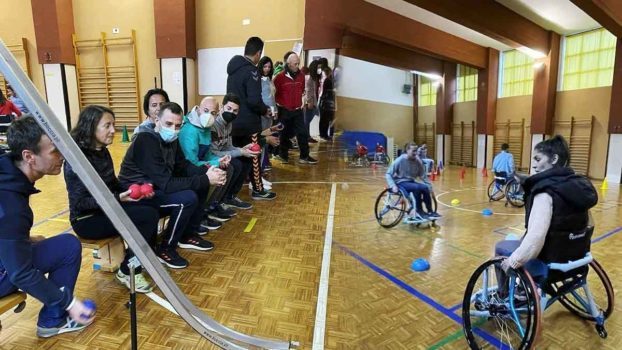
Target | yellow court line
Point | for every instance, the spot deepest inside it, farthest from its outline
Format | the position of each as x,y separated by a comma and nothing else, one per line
58,220
250,225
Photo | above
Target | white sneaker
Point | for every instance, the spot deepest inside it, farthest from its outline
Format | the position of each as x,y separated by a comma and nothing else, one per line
267,185
140,282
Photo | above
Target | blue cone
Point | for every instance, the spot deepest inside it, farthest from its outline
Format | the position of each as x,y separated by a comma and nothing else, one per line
487,212
420,265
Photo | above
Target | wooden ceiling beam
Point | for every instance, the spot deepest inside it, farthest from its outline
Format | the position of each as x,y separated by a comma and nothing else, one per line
606,12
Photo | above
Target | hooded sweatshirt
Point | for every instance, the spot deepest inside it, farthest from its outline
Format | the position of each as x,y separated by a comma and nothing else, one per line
15,247
195,141
244,80
221,139
150,159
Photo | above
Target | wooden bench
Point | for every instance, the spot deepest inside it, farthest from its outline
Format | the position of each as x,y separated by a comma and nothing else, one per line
16,300
107,253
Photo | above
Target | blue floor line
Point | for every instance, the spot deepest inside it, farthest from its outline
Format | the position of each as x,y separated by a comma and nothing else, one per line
419,295
608,234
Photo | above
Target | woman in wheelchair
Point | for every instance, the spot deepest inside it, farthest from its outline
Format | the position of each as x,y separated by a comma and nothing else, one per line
550,263
408,173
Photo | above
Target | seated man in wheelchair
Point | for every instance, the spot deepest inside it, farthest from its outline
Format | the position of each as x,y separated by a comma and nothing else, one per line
408,173
503,164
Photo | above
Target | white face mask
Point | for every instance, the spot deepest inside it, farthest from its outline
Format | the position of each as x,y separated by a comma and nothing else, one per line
319,71
206,120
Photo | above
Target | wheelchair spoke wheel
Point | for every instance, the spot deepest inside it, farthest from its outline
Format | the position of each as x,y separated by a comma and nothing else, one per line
495,191
390,208
506,317
515,194
601,289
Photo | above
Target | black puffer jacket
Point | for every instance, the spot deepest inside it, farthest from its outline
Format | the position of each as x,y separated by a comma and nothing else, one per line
244,80
573,195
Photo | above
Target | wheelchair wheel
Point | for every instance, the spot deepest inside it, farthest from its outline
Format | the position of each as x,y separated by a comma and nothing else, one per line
434,202
390,208
515,194
386,160
601,289
495,191
493,317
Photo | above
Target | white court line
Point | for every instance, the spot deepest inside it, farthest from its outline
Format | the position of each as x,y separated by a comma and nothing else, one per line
322,295
319,182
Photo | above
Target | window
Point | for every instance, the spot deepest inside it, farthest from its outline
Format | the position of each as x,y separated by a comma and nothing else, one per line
588,60
517,74
467,84
427,92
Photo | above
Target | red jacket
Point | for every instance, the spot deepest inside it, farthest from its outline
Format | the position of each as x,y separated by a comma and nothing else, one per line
289,91
9,108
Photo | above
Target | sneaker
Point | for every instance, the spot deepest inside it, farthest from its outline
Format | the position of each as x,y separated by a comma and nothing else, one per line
263,195
281,159
141,285
266,185
210,224
196,243
69,325
172,259
434,215
201,231
307,160
294,142
218,215
423,215
312,140
236,202
227,211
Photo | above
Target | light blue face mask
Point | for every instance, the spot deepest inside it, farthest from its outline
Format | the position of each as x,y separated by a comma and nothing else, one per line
168,135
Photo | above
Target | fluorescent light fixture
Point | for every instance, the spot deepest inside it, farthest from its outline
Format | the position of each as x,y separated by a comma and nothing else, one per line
538,65
531,52
427,75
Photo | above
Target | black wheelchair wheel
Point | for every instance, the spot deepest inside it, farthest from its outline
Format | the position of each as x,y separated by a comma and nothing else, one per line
389,208
600,288
487,316
515,194
495,191
434,202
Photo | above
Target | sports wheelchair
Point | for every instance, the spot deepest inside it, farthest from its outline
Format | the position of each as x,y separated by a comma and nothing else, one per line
508,187
391,207
504,311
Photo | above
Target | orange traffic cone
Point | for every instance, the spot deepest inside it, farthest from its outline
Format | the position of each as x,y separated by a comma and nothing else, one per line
433,176
462,173
484,172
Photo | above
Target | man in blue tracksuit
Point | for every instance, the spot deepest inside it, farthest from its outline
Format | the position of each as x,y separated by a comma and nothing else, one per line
503,164
24,260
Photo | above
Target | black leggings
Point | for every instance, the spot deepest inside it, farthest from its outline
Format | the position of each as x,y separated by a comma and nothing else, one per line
99,226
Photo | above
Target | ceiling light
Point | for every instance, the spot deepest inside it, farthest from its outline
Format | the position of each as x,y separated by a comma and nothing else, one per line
427,75
531,52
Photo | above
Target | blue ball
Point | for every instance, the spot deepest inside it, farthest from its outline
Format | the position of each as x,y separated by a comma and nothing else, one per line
487,212
90,304
420,265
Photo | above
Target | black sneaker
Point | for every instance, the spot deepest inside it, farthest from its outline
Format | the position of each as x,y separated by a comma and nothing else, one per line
202,230
307,160
281,159
434,215
236,202
172,259
210,224
219,215
263,195
195,242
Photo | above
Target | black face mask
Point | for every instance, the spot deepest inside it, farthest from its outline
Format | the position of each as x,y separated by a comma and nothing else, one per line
228,116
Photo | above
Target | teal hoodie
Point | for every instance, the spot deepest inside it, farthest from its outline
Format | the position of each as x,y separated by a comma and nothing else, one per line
195,141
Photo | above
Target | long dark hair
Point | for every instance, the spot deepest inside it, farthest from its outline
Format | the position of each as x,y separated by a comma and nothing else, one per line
84,132
2,98
262,62
313,70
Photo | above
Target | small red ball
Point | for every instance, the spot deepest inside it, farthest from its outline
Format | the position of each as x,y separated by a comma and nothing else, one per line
146,189
255,148
135,191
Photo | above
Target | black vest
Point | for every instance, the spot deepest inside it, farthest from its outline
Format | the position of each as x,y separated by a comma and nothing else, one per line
568,237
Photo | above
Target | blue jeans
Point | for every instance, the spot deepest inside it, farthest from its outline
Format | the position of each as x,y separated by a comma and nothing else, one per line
60,257
421,192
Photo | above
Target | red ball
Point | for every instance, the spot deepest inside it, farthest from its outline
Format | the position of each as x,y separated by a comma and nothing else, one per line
146,189
135,191
255,148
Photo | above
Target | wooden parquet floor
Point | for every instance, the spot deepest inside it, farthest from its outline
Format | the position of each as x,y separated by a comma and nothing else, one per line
265,282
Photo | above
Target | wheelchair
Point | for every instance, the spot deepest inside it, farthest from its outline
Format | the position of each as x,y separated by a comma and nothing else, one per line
506,187
507,308
391,207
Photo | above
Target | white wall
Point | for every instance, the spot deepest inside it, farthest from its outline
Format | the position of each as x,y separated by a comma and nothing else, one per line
54,91
373,82
173,79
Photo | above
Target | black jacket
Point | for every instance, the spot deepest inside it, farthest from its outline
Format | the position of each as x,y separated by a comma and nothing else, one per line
81,202
151,160
15,247
244,80
573,195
